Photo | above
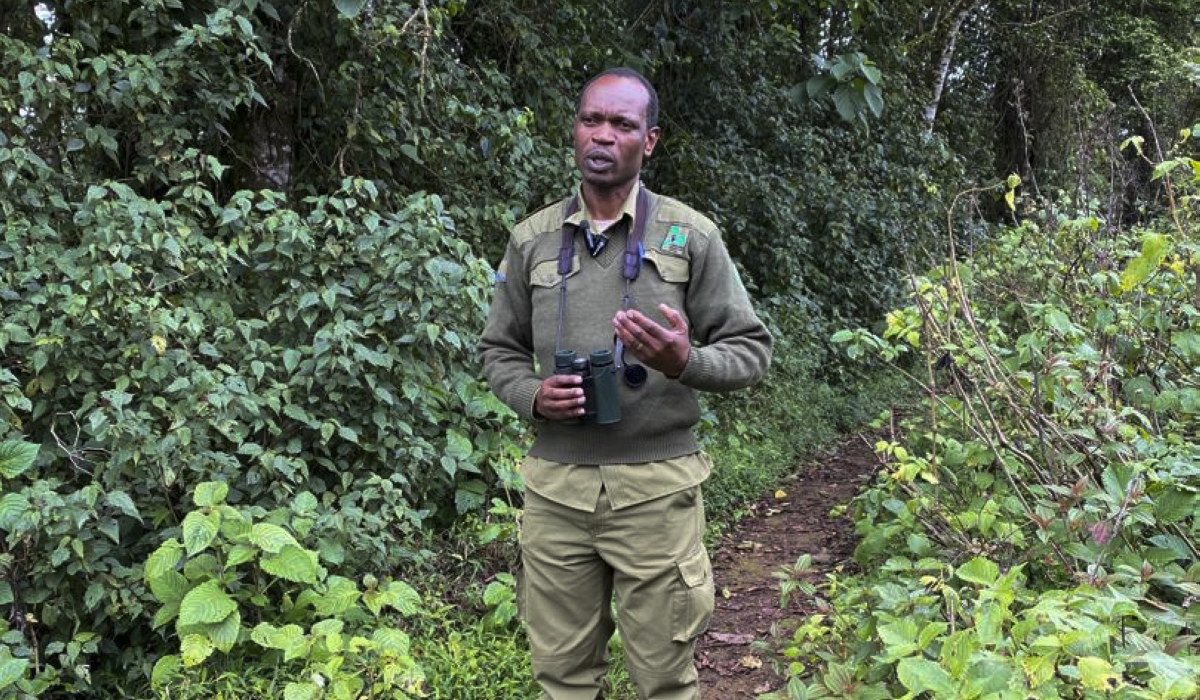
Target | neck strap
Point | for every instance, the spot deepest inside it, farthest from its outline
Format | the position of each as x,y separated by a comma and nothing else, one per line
633,242
629,270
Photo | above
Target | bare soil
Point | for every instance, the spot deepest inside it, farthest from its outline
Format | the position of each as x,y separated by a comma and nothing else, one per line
781,527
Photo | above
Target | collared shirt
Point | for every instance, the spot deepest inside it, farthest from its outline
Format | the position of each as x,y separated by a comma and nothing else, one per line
578,485
651,451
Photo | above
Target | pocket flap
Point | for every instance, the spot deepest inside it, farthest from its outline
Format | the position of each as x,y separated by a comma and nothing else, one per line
694,569
671,268
545,273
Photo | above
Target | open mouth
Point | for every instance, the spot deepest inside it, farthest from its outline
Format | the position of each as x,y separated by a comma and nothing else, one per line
598,160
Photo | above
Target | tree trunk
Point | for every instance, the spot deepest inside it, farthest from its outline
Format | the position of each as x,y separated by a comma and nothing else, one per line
943,67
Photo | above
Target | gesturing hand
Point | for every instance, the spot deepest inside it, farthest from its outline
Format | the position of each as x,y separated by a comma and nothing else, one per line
658,347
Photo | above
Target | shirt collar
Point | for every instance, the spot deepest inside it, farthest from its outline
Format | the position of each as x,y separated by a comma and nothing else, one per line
628,207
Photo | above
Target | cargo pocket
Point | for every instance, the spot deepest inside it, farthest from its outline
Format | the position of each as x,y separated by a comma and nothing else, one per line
692,607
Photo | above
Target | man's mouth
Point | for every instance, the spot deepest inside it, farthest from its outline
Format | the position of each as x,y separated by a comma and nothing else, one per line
598,160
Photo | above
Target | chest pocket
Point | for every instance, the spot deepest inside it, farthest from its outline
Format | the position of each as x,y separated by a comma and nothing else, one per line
545,273
671,268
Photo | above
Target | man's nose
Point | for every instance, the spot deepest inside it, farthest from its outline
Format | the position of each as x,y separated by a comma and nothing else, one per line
603,134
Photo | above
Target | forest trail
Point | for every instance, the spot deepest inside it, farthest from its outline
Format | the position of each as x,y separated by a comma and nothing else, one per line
778,530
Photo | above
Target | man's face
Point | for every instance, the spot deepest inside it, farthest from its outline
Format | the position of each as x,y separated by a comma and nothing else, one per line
611,137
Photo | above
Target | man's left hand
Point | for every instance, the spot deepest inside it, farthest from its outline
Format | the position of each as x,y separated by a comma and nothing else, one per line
662,348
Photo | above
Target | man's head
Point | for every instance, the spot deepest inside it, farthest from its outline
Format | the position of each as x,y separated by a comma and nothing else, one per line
616,127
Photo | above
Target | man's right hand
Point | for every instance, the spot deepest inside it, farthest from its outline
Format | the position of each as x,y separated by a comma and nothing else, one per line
559,398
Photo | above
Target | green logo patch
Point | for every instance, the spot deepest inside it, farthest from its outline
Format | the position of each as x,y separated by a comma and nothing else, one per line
676,239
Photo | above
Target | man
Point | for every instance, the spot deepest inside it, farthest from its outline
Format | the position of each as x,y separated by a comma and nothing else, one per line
613,511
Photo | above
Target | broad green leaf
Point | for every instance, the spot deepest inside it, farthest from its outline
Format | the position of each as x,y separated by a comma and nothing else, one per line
11,669
301,691
240,554
979,571
16,457
1039,669
957,650
210,493
1154,248
264,635
164,615
292,563
1097,674
897,632
195,648
403,598
165,558
819,86
874,99
325,627
165,670
1173,677
199,531
224,634
271,538
122,502
205,604
1166,167
843,100
1173,505
169,586
12,507
989,623
458,445
341,596
6,593
922,675
392,640
291,360
289,638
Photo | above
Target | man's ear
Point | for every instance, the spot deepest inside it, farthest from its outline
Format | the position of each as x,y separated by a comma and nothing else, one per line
651,140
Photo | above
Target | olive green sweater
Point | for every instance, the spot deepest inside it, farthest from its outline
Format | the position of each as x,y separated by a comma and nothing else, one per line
685,266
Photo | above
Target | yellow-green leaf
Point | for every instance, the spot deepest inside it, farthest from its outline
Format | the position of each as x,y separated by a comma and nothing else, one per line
1097,674
199,531
195,648
292,563
205,604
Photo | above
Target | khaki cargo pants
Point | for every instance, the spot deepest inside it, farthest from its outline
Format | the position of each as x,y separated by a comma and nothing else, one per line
649,559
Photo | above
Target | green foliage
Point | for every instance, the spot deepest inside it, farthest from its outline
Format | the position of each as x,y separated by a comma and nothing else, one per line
237,565
1034,530
245,255
852,81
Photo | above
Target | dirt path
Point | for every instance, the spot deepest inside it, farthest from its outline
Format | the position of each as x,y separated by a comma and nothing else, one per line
776,533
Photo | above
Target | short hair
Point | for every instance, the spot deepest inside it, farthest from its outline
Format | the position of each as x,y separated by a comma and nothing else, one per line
623,72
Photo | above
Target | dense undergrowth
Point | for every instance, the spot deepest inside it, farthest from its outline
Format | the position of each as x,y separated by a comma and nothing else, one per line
1033,531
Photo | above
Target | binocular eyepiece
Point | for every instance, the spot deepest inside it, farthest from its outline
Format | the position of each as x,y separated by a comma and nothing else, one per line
602,402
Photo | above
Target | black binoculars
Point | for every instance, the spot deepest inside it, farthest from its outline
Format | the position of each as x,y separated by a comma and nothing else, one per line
601,401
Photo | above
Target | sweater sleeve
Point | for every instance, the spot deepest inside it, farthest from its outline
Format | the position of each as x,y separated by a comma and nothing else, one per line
731,345
506,345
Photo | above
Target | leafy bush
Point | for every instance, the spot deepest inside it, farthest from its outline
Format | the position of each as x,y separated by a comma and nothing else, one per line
234,566
158,344
1033,531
